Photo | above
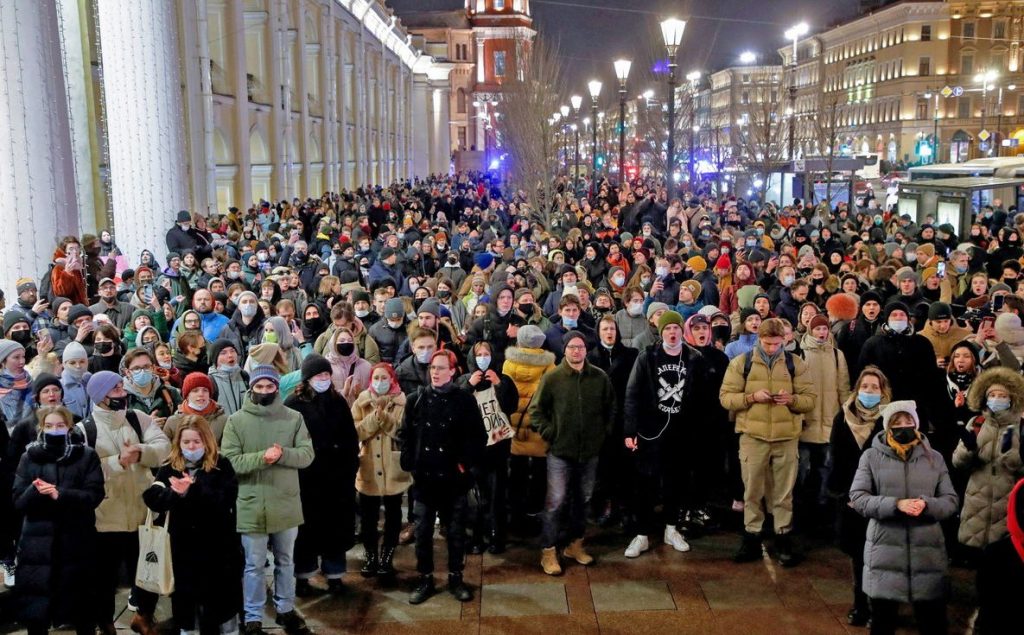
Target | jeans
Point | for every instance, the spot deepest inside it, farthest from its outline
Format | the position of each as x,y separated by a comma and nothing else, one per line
369,512
114,548
451,508
573,482
254,585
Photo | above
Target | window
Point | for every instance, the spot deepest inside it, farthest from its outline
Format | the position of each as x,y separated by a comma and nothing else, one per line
924,66
967,63
1020,105
745,97
968,30
999,30
963,108
922,109
775,95
746,78
997,60
462,137
465,51
926,33
499,5
460,101
499,63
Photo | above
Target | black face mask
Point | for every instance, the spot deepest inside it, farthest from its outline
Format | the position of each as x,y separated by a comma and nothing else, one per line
443,294
55,443
526,308
263,399
721,333
21,337
117,403
346,348
103,347
903,436
314,324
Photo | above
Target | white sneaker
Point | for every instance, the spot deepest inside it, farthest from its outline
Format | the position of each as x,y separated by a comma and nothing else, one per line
8,573
674,538
637,546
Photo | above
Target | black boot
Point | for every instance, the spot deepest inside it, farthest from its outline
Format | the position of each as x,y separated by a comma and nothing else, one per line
385,568
335,586
784,551
858,616
458,588
304,589
370,565
750,548
424,589
497,544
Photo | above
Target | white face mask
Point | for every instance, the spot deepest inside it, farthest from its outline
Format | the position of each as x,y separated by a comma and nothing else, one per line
635,309
381,387
361,313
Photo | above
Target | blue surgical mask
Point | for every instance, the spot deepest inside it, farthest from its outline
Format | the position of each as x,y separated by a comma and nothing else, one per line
998,404
320,385
423,357
381,387
869,399
751,242
228,368
142,377
193,456
898,325
483,362
569,323
56,434
960,268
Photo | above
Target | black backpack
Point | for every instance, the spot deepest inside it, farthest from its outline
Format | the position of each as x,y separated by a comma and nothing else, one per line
87,427
748,361
46,285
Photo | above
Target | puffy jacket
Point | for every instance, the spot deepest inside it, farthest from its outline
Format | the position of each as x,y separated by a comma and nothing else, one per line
767,421
826,366
904,556
380,470
573,410
525,366
217,420
122,509
268,495
943,342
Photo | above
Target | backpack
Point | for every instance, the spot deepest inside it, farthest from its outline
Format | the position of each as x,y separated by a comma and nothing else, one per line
87,427
46,285
748,361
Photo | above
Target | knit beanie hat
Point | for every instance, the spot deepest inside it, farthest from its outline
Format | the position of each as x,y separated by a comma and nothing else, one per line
74,350
13,317
394,309
314,365
530,336
196,380
572,335
101,384
694,288
44,380
940,311
697,263
217,347
747,312
723,263
7,347
906,273
261,371
818,320
483,260
669,317
431,306
77,311
654,307
928,249
896,407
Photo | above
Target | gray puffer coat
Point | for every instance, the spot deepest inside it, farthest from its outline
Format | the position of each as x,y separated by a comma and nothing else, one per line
904,556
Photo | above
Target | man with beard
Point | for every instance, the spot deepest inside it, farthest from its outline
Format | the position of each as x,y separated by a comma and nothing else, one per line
851,339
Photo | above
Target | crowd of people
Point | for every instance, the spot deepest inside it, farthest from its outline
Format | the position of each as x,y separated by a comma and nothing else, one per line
657,363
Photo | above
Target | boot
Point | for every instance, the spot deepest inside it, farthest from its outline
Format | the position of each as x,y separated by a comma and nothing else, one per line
497,544
784,551
293,623
408,534
251,628
750,548
476,546
458,588
107,629
576,552
385,568
370,565
335,586
424,589
549,561
143,624
304,589
858,616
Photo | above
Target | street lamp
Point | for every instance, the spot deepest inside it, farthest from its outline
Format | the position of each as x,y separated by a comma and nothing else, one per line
622,74
794,33
672,31
576,101
985,79
564,111
748,57
935,125
693,77
595,91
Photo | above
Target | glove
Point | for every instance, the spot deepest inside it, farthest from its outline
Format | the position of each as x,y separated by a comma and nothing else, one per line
969,440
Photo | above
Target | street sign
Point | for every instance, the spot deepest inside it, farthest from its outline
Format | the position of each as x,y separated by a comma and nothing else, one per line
958,91
946,92
984,135
983,146
799,165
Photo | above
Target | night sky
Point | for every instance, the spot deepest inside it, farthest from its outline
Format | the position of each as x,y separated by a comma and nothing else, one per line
592,33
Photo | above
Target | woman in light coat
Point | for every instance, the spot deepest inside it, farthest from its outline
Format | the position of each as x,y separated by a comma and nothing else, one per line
902,487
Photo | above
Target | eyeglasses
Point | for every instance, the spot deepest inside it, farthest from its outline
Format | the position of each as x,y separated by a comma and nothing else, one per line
576,347
138,368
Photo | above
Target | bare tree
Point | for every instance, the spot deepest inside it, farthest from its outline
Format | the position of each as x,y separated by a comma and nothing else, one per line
524,124
763,135
826,136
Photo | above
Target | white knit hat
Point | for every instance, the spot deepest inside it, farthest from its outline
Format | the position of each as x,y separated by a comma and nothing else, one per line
896,407
74,350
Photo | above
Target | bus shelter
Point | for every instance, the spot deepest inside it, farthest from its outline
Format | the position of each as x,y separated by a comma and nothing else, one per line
953,200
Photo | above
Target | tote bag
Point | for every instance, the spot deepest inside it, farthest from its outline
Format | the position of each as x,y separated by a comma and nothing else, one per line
496,424
153,572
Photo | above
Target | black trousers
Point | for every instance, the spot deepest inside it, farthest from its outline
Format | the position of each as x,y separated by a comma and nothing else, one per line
114,549
369,512
660,476
451,509
528,485
490,514
860,599
80,629
929,615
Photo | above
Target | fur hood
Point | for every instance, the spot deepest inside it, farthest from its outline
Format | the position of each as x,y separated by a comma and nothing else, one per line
529,356
999,375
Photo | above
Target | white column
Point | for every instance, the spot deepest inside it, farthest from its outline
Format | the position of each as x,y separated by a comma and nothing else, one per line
142,88
440,143
421,107
344,99
37,172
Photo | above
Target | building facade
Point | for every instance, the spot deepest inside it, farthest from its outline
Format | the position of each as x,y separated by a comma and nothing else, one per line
122,113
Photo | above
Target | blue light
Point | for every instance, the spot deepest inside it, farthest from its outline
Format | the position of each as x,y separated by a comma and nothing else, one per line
494,164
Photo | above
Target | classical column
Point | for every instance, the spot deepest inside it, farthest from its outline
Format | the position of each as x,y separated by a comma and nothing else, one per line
421,106
37,171
145,132
440,142
236,41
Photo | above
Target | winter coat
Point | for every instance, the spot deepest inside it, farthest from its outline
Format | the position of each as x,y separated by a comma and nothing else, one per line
1001,575
344,367
618,364
827,371
942,343
380,470
994,461
365,344
75,398
230,389
742,345
206,552
122,508
526,366
909,363
851,340
846,455
268,495
161,402
412,375
388,340
904,556
630,327
573,410
768,421
241,335
217,420
56,553
506,394
336,458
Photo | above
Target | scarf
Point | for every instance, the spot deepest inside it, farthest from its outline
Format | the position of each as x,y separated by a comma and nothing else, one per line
861,420
189,410
902,450
21,383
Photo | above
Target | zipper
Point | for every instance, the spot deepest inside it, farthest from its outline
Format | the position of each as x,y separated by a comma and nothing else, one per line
906,494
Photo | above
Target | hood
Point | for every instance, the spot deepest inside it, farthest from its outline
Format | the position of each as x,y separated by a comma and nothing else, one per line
141,333
529,356
284,334
998,375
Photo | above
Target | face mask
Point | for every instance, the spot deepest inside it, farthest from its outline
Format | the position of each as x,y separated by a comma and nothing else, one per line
193,456
320,385
346,348
443,294
270,337
411,315
751,242
483,363
960,268
618,280
361,313
868,399
645,280
22,337
661,272
56,440
166,364
248,310
998,404
228,368
526,308
193,405
234,275
788,280
898,325
423,357
262,256
103,347
142,377
903,436
911,256
382,386
117,403
395,324
569,323
56,434
760,231
76,373
261,399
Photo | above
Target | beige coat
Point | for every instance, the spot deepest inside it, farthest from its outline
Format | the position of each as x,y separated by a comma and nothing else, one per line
378,420
122,508
217,421
827,370
767,421
943,343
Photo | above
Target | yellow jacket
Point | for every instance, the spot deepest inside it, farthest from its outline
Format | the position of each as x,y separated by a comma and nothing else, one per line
767,421
525,367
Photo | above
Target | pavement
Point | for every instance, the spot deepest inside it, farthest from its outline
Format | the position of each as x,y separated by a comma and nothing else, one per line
662,591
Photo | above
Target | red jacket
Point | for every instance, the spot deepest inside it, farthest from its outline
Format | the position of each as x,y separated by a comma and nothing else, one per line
67,284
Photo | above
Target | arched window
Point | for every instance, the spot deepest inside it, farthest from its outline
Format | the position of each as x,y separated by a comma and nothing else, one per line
460,102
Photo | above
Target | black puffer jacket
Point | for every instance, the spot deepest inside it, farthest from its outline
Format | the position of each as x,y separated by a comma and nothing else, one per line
909,363
58,537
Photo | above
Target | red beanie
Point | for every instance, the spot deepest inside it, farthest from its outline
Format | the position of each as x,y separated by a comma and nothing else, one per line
196,380
816,321
723,263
